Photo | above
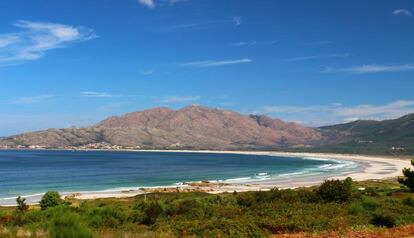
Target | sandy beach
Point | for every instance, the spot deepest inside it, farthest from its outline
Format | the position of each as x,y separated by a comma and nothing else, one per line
374,167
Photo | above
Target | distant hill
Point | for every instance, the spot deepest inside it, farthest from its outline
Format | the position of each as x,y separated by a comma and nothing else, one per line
193,127
197,127
370,137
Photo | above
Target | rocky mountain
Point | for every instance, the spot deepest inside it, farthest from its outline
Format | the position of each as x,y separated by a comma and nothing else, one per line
193,127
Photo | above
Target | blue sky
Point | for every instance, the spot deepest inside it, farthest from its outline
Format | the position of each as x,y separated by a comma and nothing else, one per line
65,63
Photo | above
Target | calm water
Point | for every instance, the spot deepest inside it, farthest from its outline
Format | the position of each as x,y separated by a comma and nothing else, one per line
33,172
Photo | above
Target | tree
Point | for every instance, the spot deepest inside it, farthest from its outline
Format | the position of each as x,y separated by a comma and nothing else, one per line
335,190
21,204
50,199
408,179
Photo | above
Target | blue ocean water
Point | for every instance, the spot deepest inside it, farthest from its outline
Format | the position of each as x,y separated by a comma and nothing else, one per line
34,172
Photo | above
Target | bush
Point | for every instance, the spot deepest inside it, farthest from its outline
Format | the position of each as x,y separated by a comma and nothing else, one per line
409,202
107,217
21,204
246,199
335,190
66,224
369,204
383,220
50,199
408,179
152,211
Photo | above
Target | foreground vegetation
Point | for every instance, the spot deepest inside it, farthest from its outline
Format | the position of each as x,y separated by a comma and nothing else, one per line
339,206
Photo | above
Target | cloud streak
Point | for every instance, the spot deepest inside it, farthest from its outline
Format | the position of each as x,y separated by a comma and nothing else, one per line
179,99
215,63
318,115
31,100
36,38
147,3
371,68
315,57
93,94
253,43
402,12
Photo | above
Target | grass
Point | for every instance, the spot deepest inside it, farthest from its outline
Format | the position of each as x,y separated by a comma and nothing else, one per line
376,208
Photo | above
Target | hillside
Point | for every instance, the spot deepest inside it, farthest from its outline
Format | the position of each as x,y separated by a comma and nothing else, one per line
372,137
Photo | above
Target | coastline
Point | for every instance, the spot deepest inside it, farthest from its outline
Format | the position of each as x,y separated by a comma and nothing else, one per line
373,167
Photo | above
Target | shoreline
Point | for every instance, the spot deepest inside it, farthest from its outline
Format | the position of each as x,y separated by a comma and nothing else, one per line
370,167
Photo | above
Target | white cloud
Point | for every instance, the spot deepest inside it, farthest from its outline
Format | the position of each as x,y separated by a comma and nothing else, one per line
237,20
402,12
36,38
371,68
178,99
147,72
253,43
213,63
32,100
96,94
314,57
318,115
147,3
172,2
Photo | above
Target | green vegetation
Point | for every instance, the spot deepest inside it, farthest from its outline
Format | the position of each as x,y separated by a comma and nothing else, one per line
50,199
408,179
333,206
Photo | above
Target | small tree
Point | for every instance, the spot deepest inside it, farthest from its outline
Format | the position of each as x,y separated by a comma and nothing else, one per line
335,190
50,199
408,179
21,204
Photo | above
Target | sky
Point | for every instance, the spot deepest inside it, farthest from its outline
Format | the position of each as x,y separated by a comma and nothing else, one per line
320,62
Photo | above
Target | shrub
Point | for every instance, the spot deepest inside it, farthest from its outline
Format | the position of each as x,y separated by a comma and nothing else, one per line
246,199
50,199
107,217
66,224
335,190
408,179
152,211
383,220
369,204
409,202
356,209
21,204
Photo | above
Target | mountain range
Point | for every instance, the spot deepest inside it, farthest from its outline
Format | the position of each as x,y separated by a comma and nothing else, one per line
197,127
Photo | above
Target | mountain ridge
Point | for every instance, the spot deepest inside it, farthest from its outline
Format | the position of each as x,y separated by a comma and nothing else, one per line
198,127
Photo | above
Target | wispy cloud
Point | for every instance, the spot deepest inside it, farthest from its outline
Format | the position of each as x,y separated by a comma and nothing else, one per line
172,2
96,94
237,20
32,99
147,72
178,99
36,38
402,12
253,43
147,3
314,57
214,63
371,68
317,115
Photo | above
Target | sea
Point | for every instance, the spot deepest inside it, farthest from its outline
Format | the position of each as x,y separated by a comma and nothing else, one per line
33,172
